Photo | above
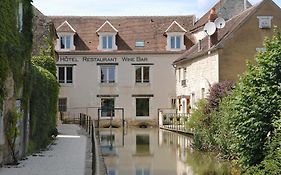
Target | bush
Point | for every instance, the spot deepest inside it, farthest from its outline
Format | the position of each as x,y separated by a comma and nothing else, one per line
256,100
216,93
43,106
272,162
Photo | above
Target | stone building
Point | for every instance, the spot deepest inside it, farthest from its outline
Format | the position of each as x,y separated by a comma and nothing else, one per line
205,64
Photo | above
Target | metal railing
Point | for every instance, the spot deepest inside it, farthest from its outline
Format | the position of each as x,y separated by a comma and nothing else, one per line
87,123
175,121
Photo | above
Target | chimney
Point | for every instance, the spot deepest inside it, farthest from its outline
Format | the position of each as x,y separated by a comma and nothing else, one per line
213,38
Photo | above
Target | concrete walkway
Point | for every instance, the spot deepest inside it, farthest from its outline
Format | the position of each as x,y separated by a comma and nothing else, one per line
65,157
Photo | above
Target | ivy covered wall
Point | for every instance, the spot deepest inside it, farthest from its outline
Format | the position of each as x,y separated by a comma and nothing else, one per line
15,56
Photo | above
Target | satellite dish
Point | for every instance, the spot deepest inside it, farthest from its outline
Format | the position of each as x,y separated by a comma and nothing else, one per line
210,28
220,22
201,35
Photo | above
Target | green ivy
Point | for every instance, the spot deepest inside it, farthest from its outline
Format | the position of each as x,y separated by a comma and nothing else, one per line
43,104
12,131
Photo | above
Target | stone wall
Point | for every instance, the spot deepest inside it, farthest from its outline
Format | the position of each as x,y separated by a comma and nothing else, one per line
200,74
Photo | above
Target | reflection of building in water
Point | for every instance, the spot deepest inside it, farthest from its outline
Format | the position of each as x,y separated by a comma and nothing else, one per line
183,145
140,155
154,152
145,152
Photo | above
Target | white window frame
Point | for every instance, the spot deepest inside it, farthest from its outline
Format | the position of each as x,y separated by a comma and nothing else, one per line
65,75
175,34
107,73
142,74
107,34
65,35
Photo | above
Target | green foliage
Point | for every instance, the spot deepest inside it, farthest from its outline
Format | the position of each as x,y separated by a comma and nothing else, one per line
256,101
46,62
216,93
244,126
12,131
44,98
205,120
272,162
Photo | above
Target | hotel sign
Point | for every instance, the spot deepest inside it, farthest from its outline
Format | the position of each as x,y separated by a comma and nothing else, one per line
103,59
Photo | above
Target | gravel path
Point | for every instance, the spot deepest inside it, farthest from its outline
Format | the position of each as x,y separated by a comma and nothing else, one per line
65,157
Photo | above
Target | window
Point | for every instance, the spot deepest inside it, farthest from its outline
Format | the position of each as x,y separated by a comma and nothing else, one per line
179,74
107,143
139,43
142,74
111,171
107,42
65,42
65,74
265,22
142,144
142,171
20,17
173,103
107,107
175,42
62,104
107,74
142,107
203,93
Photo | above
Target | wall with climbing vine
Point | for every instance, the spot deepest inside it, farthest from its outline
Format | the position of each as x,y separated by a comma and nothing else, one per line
15,56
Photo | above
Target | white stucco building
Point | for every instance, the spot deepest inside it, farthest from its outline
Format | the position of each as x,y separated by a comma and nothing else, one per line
119,62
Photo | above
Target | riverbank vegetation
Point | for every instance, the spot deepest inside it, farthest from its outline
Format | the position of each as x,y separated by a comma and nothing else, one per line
244,121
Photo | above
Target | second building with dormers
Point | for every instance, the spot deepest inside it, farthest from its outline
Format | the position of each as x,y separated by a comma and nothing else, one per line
120,62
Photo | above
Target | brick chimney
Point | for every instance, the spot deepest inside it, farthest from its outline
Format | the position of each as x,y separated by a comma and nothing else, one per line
213,39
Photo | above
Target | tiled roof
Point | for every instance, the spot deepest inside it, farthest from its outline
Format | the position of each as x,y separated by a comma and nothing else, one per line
65,27
231,26
205,18
151,29
107,27
175,27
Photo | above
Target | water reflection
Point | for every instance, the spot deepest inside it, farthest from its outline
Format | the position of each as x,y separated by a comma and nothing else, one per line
155,152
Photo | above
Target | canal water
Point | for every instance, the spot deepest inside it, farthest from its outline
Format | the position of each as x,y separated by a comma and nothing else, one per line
152,151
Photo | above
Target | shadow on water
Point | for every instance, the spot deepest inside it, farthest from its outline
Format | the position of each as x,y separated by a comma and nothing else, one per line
150,151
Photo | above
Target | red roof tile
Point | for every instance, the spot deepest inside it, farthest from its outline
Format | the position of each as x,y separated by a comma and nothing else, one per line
151,29
231,26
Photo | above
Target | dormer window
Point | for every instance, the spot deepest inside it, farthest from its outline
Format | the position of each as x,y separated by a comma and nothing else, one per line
175,37
66,37
65,42
175,42
107,37
107,42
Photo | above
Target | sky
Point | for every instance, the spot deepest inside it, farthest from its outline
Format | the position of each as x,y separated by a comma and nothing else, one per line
127,7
